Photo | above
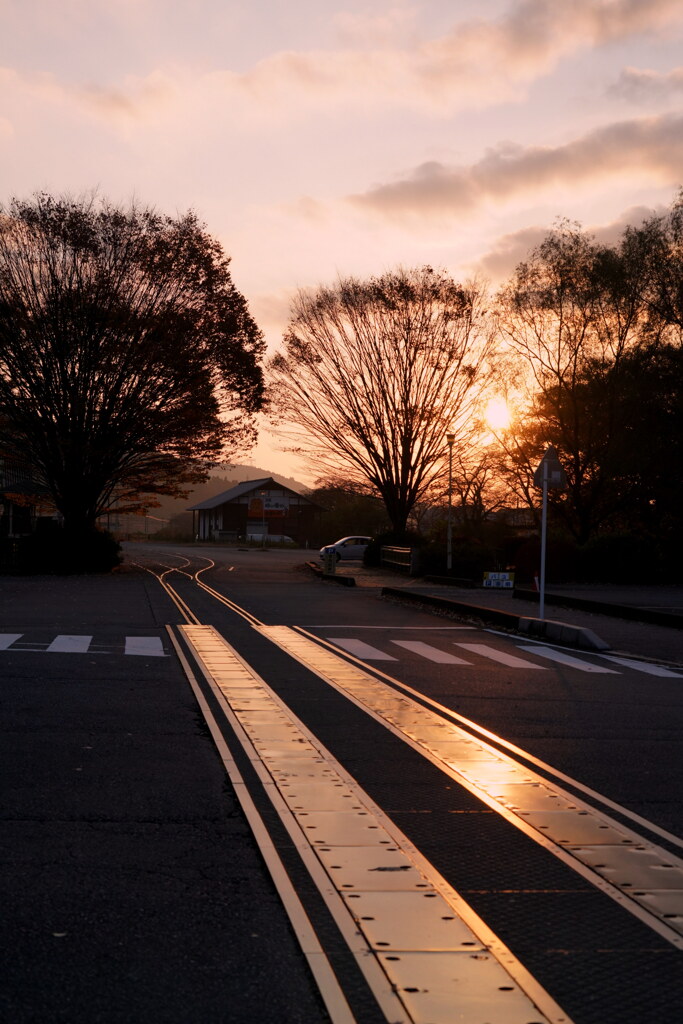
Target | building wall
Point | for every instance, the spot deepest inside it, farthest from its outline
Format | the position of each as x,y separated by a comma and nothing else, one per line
284,514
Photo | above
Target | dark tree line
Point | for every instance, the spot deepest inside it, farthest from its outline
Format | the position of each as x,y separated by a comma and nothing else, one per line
129,363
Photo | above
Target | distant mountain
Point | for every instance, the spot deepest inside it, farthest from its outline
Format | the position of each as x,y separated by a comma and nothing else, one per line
240,473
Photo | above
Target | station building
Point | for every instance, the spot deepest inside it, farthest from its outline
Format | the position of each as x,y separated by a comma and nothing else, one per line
258,510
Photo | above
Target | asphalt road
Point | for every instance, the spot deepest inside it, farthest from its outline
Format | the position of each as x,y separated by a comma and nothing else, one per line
132,886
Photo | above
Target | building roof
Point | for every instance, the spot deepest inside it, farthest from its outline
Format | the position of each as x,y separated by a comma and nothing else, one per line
246,487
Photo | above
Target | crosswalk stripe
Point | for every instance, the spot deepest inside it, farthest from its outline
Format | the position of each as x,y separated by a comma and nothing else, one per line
150,646
566,659
431,653
501,656
644,666
69,644
6,639
72,643
360,649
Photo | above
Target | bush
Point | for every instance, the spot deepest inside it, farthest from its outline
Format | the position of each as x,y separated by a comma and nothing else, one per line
55,551
562,560
610,558
627,558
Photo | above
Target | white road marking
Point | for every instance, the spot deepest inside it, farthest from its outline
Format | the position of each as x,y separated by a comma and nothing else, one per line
501,656
71,643
566,659
149,646
66,643
644,666
360,649
430,653
7,639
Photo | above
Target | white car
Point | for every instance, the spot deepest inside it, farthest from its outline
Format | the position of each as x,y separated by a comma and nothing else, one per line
347,547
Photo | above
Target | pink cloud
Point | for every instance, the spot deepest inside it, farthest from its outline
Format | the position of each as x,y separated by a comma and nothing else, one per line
638,85
511,249
478,62
647,146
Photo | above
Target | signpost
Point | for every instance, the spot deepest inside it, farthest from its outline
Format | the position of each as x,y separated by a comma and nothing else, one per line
499,580
549,474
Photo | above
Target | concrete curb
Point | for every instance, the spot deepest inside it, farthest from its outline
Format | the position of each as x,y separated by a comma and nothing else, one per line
344,581
619,611
575,636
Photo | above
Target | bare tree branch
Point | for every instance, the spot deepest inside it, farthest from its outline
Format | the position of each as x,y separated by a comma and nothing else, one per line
375,374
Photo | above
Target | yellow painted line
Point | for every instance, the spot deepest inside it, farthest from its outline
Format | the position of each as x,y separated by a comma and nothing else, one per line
183,608
427,956
179,603
237,609
640,876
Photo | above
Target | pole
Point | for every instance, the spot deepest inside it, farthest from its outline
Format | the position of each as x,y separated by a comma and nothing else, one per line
449,537
544,530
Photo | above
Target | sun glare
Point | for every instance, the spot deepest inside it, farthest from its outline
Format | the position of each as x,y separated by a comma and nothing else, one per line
497,414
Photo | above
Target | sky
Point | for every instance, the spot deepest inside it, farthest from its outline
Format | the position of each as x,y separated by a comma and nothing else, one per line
326,138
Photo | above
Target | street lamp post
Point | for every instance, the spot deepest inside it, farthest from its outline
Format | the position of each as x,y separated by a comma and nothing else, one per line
263,510
450,438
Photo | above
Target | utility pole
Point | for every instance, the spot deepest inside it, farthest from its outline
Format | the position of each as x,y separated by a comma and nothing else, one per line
450,438
549,474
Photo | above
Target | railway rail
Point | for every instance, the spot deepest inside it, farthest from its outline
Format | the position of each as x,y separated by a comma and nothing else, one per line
387,932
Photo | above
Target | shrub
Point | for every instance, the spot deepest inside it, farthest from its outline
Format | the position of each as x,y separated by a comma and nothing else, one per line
624,558
56,551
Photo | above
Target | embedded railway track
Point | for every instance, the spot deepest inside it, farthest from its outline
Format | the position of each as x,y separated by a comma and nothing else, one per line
387,932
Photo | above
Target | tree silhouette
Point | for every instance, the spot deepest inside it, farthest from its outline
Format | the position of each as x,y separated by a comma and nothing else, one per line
375,374
128,360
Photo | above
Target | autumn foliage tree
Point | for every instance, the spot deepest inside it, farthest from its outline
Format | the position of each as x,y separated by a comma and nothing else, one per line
128,359
575,312
374,375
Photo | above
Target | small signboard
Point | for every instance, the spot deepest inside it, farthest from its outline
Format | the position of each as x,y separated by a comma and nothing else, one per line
501,580
551,469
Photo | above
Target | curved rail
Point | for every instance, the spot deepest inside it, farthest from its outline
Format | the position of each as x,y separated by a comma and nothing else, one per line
328,662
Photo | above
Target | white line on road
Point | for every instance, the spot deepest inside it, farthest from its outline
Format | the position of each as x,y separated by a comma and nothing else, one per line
566,659
66,643
644,666
430,653
6,639
360,649
501,656
150,646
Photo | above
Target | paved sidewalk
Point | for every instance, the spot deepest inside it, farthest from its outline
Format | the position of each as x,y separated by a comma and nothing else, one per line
640,639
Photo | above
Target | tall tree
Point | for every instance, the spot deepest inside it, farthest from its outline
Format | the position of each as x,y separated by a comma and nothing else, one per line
656,247
128,359
376,373
574,311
